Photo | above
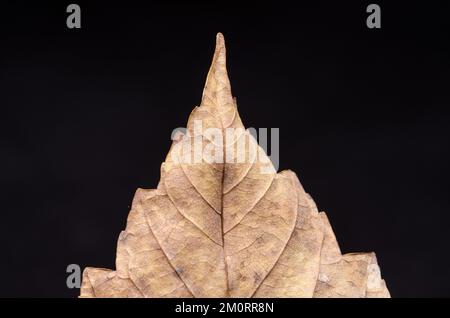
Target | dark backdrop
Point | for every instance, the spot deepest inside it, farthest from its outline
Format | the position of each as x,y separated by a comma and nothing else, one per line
86,117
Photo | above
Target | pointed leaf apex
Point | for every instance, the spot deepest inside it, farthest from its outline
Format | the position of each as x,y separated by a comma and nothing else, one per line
219,59
220,42
217,91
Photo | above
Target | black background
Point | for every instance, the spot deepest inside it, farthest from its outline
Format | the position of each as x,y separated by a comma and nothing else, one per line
86,118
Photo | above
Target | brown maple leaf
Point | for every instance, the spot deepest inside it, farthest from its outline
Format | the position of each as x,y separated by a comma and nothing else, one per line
230,228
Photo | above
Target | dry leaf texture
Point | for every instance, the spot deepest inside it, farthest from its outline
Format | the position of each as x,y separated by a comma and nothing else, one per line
234,228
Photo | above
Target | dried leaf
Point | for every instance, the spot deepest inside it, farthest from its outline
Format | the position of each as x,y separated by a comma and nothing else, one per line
233,229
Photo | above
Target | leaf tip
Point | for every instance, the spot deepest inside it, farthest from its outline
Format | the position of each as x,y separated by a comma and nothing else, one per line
220,52
220,40
217,90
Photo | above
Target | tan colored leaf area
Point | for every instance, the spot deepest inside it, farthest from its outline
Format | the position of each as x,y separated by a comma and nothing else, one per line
231,229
